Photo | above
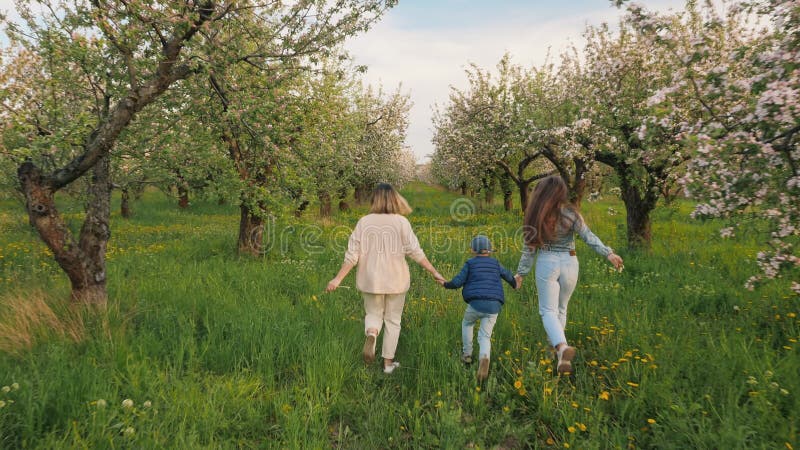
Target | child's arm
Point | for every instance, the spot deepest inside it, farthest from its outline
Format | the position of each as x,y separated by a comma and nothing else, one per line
509,277
459,279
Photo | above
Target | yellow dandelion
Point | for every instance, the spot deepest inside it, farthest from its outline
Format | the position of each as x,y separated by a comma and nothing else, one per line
604,395
574,405
522,392
651,421
581,426
632,384
566,444
550,441
571,429
517,384
548,391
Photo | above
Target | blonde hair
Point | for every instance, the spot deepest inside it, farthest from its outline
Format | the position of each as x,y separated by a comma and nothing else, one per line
386,200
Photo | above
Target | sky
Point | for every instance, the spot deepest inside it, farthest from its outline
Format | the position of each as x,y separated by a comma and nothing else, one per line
423,46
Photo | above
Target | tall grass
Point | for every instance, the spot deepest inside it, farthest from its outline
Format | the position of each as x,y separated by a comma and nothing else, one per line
239,352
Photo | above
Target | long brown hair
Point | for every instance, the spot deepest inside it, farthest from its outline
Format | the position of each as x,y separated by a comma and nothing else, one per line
544,211
386,200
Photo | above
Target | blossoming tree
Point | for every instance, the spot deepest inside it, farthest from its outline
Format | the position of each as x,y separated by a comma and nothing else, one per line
124,55
735,95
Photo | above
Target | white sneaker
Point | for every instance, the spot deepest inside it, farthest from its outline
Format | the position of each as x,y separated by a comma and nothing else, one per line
390,368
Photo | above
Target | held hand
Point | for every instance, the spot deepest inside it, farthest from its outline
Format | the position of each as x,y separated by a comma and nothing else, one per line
332,285
616,261
441,282
518,279
439,278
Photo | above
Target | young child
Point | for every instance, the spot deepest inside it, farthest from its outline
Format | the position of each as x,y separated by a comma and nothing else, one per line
483,292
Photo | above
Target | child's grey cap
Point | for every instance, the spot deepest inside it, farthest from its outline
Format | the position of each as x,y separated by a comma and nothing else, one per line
481,244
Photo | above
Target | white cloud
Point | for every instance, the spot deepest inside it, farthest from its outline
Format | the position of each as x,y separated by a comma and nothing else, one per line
428,61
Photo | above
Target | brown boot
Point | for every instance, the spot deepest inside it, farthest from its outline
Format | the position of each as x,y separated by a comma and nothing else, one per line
483,369
565,357
369,349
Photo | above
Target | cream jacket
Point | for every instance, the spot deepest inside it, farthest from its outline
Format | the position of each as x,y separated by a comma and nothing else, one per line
378,246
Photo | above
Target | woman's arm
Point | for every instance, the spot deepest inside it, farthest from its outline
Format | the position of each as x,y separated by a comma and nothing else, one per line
337,280
526,261
593,241
429,267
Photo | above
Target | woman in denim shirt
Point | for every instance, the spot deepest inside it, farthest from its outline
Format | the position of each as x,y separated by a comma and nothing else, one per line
550,225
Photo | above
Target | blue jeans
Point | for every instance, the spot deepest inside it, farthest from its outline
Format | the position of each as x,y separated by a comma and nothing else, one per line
556,278
484,333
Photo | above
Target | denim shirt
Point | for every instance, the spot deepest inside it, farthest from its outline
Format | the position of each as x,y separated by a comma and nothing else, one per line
571,223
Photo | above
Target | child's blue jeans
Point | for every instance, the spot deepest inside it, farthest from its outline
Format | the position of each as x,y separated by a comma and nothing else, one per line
484,333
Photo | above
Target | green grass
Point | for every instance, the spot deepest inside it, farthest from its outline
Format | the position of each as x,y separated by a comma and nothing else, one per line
239,352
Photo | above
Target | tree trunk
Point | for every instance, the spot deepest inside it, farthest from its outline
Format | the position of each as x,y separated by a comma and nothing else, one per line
523,194
488,190
325,207
508,192
577,188
362,194
124,205
638,206
463,189
183,196
508,201
301,208
343,205
638,221
82,261
251,232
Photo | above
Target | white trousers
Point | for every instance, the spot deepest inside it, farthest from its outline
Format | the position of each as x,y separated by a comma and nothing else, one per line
384,309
